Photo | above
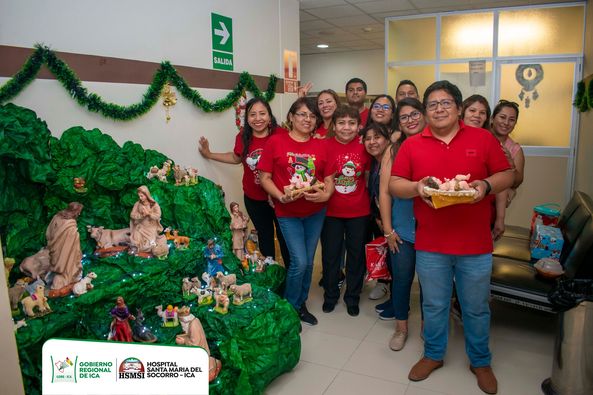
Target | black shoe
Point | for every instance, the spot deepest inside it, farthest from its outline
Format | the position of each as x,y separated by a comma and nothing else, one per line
328,307
321,282
306,317
353,310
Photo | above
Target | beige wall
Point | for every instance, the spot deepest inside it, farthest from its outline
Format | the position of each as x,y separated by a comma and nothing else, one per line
584,166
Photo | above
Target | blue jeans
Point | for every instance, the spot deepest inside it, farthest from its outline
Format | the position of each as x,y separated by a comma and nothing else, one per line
403,264
472,278
301,235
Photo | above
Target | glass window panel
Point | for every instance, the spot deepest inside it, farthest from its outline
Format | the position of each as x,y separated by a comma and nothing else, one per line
467,35
546,120
422,76
412,39
541,31
458,73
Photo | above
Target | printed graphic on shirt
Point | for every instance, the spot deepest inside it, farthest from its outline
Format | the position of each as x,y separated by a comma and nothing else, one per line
302,169
349,173
252,160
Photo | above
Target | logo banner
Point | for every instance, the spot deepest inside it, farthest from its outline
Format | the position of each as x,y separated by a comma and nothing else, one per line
98,367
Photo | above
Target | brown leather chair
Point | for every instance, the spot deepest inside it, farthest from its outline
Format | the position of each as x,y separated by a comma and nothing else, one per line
516,281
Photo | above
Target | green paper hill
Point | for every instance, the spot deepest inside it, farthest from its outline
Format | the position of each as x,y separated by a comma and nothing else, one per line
256,342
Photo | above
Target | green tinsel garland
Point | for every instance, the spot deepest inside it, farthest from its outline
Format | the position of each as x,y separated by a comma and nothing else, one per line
93,102
583,100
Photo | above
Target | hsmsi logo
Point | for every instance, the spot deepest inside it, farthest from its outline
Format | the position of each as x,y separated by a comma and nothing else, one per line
131,368
63,370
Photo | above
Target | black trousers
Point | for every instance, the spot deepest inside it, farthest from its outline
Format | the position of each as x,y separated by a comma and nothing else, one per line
264,219
334,230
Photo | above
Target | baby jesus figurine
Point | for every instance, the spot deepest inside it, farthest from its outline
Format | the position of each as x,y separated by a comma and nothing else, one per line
239,229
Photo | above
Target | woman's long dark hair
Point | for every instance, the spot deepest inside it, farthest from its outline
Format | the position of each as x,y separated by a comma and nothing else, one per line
247,135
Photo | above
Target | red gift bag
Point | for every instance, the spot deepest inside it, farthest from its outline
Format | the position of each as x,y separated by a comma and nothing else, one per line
376,256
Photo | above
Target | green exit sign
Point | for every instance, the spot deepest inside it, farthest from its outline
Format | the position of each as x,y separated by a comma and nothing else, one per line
222,33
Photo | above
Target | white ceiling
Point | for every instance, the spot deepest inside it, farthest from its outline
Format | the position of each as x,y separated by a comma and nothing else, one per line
357,25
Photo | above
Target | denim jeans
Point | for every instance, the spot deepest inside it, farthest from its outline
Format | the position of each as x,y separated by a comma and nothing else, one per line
472,278
301,235
403,264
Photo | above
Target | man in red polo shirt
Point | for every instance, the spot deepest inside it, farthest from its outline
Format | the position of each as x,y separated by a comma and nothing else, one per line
356,94
453,242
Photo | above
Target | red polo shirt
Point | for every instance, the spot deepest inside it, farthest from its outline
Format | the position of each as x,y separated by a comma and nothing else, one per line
280,157
348,162
251,183
462,229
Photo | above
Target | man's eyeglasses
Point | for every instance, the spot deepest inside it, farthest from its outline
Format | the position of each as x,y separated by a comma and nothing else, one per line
303,115
445,104
384,107
413,116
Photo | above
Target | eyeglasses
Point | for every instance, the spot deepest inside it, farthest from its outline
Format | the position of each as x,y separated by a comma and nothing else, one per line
384,107
445,104
413,116
307,115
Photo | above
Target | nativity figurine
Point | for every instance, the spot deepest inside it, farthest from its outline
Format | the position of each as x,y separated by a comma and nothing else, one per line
120,330
213,254
145,222
239,229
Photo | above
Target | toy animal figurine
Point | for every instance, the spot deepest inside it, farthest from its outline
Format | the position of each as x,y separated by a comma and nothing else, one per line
195,282
141,333
179,175
186,286
213,254
181,242
192,173
84,285
19,324
238,227
31,286
204,296
120,330
226,281
169,316
160,174
38,300
161,249
194,335
260,266
222,303
241,293
79,184
106,238
36,266
8,264
16,292
209,281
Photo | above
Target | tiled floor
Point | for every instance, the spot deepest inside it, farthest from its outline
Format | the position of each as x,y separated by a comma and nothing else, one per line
349,355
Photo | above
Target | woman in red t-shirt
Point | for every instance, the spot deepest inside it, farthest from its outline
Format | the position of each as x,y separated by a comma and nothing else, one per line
297,158
327,102
260,125
348,211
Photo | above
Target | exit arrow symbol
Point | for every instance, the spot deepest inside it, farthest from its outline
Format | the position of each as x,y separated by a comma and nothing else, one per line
224,33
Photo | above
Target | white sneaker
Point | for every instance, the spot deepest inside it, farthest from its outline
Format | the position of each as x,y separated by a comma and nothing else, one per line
378,292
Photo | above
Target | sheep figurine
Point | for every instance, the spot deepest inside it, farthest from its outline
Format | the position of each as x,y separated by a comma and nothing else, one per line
226,281
241,293
38,300
84,285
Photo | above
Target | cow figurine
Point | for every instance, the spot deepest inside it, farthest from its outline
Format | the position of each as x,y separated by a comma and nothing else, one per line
106,238
36,266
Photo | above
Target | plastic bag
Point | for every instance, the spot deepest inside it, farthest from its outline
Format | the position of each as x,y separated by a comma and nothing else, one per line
545,214
570,292
376,253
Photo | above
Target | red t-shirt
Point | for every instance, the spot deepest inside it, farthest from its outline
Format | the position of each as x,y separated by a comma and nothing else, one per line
321,131
251,184
364,115
462,229
283,157
348,162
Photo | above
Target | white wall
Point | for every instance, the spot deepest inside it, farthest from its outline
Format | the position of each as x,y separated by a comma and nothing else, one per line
149,30
333,70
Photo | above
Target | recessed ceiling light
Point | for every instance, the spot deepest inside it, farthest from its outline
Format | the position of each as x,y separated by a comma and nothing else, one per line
367,29
322,46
